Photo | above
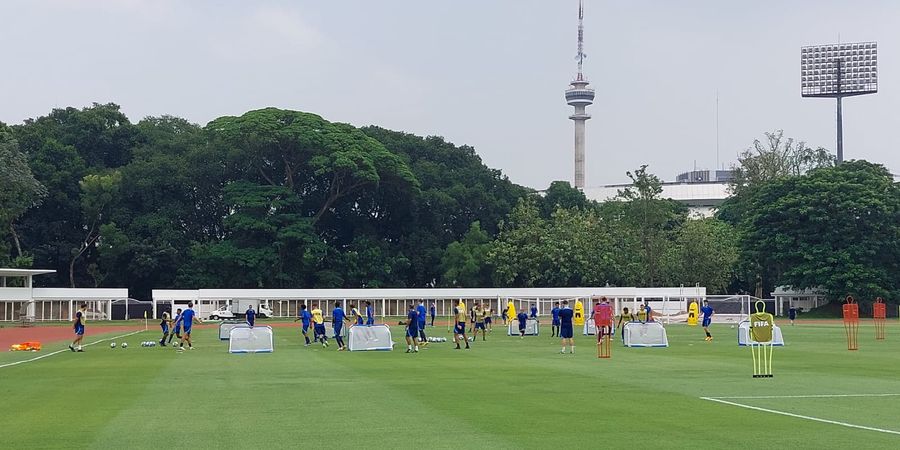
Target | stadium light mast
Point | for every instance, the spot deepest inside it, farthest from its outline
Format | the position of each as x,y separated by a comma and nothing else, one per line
579,96
838,71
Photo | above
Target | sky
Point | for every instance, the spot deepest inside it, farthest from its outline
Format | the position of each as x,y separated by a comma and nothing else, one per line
486,73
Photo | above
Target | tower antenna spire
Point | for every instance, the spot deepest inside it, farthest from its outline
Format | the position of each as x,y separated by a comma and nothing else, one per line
579,96
580,56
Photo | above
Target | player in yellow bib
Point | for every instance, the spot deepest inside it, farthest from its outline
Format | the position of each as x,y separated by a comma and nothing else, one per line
459,330
479,313
319,326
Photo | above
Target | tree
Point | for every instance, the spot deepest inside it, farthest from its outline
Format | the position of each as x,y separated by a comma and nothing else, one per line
98,192
705,251
465,261
834,228
651,219
19,190
320,161
561,194
776,158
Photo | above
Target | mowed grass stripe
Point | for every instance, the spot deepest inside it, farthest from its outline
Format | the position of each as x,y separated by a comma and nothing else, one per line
505,393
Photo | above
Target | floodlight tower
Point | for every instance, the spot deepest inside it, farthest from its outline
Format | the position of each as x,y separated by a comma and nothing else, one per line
838,71
580,96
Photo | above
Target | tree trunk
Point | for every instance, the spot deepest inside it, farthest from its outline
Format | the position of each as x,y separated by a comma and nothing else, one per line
12,230
72,271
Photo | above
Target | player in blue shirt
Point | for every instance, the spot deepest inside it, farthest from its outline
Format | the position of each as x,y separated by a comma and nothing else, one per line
370,314
75,346
176,326
412,330
306,319
534,311
432,310
555,324
523,321
566,331
188,317
164,324
421,312
337,321
707,312
251,316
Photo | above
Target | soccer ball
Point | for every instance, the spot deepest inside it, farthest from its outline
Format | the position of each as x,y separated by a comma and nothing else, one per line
124,345
732,325
112,345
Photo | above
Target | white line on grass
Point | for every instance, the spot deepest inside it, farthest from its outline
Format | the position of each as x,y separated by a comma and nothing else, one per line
803,396
66,350
799,416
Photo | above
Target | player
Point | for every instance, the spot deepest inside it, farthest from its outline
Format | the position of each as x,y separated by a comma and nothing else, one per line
188,317
534,311
504,316
75,346
459,330
337,323
792,314
602,316
164,324
355,317
488,319
479,313
412,330
319,326
648,312
432,310
370,314
305,317
566,330
523,321
177,326
554,326
251,316
707,312
422,317
623,319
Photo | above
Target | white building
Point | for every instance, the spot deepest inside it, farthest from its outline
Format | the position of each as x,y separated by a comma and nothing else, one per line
702,199
21,301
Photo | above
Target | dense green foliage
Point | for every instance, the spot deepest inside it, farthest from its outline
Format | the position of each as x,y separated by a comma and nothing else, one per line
836,228
276,198
272,198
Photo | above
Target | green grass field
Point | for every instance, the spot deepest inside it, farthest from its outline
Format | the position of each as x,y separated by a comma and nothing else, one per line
503,393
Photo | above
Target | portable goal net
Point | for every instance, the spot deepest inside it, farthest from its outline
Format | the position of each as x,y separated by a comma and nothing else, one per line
251,340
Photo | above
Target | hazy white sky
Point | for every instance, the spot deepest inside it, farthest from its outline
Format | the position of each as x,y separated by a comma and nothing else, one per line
487,73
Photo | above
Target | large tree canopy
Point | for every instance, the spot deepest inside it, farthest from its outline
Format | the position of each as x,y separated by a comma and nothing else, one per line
836,228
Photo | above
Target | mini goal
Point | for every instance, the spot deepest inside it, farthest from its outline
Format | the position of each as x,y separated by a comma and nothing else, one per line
370,337
251,340
532,327
649,334
226,327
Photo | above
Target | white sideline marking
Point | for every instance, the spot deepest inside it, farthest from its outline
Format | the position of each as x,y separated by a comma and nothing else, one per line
67,350
803,396
799,416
